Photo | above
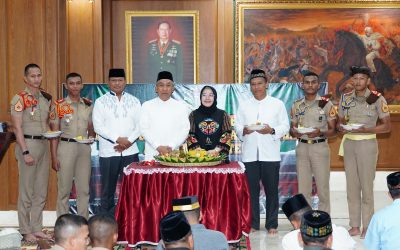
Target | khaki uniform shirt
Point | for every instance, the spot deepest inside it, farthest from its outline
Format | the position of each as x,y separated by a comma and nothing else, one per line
311,115
34,110
73,117
355,109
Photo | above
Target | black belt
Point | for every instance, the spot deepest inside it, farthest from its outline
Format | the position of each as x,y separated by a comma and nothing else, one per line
35,137
311,141
67,139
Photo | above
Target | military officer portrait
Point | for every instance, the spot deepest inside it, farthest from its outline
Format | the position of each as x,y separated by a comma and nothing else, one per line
164,54
70,158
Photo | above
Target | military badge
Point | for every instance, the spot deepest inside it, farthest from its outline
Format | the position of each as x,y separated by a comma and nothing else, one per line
347,100
68,118
29,100
52,115
385,107
64,109
332,111
18,107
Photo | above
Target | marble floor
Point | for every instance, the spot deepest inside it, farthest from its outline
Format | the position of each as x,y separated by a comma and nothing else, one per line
260,239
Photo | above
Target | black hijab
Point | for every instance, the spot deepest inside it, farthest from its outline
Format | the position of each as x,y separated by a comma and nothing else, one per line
208,110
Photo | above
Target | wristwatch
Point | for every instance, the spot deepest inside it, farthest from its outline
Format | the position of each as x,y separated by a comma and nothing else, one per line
26,152
272,131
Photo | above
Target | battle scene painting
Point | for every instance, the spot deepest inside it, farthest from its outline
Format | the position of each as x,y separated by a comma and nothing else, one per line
287,43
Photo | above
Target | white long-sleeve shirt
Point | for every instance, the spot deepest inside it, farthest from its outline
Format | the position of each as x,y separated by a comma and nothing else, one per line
113,118
163,123
341,240
256,146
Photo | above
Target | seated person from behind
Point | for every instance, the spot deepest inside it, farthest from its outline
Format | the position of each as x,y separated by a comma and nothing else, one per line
103,232
71,233
203,238
210,127
316,231
294,209
384,229
175,232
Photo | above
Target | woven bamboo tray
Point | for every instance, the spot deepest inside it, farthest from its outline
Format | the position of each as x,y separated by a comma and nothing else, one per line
189,164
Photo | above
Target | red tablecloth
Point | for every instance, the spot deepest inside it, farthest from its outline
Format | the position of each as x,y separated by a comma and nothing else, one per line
146,194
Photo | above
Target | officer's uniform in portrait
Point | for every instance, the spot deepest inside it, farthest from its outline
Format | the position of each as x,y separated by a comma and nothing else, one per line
33,180
313,154
165,57
73,119
360,152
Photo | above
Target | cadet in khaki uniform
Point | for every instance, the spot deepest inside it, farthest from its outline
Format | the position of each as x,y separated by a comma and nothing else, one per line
359,147
312,151
29,113
165,54
71,160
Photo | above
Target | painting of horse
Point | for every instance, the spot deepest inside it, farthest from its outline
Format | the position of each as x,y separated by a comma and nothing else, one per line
291,39
350,51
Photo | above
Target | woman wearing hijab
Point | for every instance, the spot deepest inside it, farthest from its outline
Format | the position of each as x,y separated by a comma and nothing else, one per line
210,127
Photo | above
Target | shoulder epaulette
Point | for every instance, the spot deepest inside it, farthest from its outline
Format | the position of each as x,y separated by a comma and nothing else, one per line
22,93
175,41
152,41
348,92
324,100
87,101
46,95
373,97
60,101
298,100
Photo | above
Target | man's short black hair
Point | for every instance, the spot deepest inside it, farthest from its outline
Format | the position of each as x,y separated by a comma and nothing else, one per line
195,214
395,193
64,223
101,227
72,74
296,216
30,66
318,240
310,73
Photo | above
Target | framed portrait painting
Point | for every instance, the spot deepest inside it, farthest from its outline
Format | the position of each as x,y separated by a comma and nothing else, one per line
162,41
288,39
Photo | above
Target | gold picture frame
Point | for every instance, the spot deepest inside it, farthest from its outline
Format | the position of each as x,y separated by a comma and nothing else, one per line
144,55
279,36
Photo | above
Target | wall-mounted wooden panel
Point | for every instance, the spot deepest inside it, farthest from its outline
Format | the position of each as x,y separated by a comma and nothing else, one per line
388,145
80,39
29,33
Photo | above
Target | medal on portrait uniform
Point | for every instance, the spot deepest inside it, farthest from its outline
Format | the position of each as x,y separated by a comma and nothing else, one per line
162,48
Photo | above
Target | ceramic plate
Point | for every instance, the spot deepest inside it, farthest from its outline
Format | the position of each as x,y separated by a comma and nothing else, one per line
52,134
